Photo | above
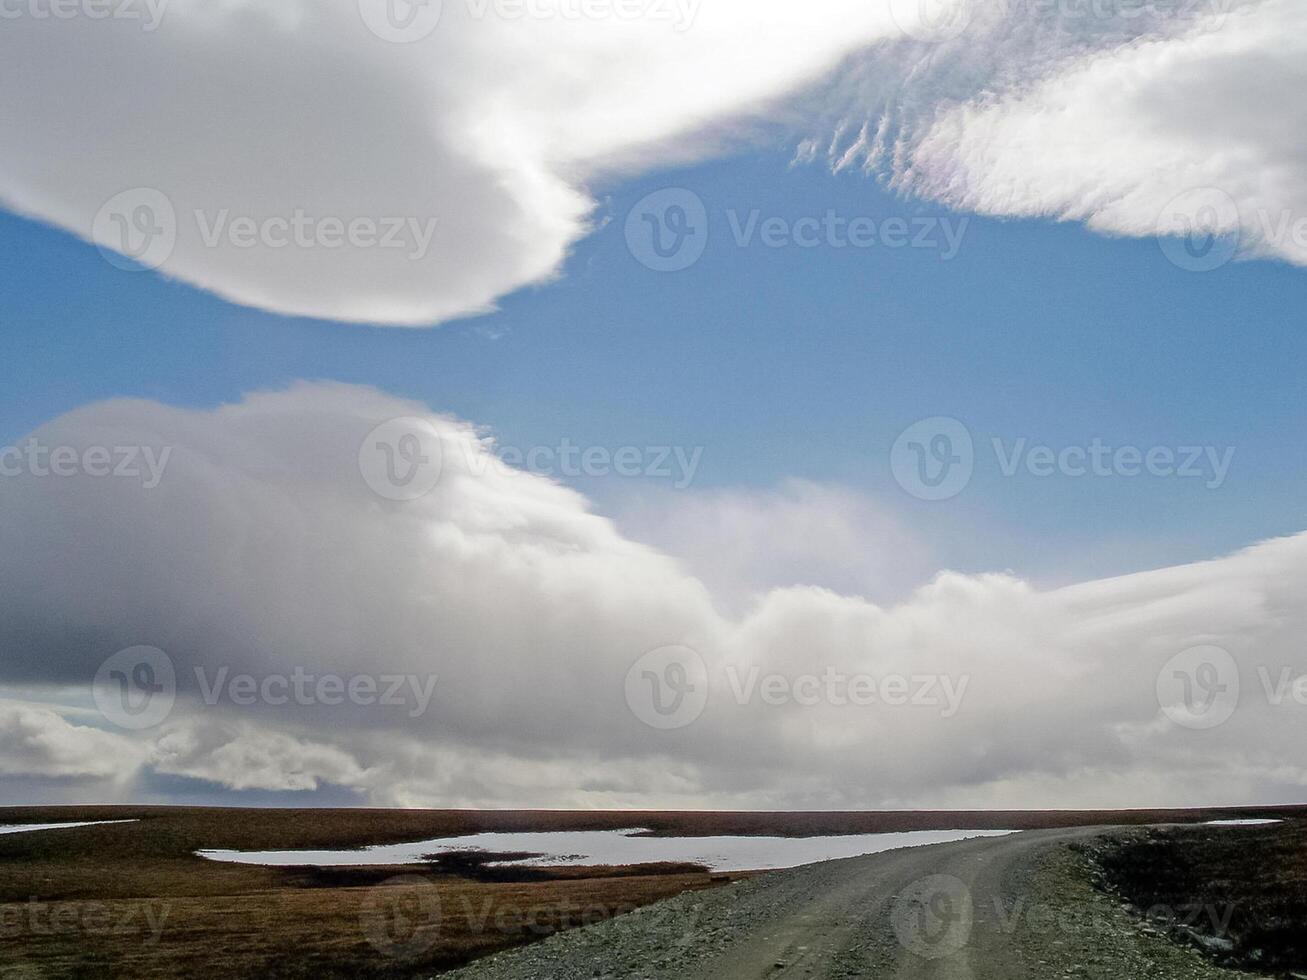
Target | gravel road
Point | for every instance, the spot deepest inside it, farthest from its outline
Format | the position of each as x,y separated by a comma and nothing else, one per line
986,909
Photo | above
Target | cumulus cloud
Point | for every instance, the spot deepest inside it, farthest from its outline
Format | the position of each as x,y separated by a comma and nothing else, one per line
491,640
742,543
245,758
38,741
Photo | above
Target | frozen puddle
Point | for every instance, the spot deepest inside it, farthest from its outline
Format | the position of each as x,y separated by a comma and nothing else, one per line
22,828
617,847
1238,823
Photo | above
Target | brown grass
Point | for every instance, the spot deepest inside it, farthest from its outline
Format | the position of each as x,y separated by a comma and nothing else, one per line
132,901
318,932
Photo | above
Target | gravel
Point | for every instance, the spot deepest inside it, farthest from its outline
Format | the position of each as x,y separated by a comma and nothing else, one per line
1034,910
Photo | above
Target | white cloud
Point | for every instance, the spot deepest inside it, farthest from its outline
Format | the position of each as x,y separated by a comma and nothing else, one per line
263,550
244,758
484,136
490,126
745,542
38,741
1138,121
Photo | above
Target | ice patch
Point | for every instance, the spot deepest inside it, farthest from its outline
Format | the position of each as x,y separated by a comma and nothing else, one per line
23,828
616,847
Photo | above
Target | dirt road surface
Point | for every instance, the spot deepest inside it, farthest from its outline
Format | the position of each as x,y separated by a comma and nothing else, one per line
1003,908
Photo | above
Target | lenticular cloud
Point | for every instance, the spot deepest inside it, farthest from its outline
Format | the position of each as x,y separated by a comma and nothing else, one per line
411,171
261,152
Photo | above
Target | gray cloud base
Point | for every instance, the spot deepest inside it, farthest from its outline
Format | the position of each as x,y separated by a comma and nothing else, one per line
263,550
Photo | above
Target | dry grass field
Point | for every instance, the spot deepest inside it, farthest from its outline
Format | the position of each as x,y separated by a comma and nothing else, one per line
132,900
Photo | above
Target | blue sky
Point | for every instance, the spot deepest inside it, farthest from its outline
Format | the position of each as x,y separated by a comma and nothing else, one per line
827,395
780,362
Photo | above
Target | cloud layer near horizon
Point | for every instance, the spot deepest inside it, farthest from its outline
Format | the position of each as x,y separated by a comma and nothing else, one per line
263,550
494,128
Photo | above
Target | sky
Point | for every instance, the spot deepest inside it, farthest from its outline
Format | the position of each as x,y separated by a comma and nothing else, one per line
785,393
782,363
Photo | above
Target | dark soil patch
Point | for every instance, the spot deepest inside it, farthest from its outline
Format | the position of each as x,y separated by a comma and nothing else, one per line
1237,893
